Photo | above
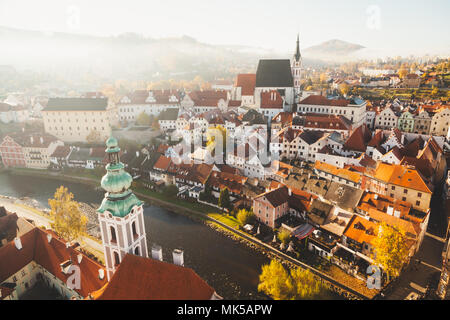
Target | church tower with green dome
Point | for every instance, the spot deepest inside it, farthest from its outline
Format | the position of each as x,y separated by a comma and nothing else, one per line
121,216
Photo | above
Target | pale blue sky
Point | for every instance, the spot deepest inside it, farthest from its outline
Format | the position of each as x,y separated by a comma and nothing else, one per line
411,26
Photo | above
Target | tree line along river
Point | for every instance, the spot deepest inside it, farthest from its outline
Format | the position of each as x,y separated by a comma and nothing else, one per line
231,268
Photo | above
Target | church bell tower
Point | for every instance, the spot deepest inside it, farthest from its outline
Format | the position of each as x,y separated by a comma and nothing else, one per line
121,216
296,67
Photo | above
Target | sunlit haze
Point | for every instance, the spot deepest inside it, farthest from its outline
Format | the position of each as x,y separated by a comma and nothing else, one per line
390,27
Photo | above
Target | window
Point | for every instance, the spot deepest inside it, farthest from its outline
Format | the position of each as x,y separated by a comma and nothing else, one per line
419,194
133,229
113,235
417,203
116,259
405,191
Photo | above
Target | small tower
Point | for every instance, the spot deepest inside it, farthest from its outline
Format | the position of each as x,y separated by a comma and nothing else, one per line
296,67
121,216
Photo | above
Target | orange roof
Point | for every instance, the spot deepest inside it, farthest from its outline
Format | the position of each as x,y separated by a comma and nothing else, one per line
408,178
35,247
162,163
412,229
361,230
343,173
247,82
139,278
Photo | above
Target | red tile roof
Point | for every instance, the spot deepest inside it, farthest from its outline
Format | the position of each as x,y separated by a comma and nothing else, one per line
271,100
359,139
35,247
139,278
163,163
323,101
247,82
61,152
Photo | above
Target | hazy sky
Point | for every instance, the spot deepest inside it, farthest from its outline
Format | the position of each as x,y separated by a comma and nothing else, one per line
398,25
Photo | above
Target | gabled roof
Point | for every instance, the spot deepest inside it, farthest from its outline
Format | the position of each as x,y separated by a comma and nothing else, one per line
275,197
401,176
139,278
359,139
274,73
35,247
311,137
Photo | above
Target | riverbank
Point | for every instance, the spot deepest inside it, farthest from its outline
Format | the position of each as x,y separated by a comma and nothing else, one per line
199,213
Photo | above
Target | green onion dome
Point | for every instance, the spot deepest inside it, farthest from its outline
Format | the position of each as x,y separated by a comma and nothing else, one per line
116,181
119,200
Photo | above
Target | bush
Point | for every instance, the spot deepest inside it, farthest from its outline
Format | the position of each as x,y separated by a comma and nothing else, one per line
284,236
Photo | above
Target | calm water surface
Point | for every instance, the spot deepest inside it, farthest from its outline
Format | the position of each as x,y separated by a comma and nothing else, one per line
231,268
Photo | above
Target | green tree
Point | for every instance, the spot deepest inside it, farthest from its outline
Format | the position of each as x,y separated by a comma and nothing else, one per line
390,249
67,219
245,216
224,199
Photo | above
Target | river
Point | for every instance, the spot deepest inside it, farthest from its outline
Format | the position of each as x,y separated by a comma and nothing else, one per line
231,268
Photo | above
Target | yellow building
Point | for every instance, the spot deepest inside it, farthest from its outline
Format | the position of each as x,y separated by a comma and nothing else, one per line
74,119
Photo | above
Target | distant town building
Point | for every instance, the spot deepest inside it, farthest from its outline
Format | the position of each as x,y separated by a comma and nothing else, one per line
74,119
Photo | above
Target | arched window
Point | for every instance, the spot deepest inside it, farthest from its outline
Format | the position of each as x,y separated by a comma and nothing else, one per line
133,230
137,251
113,234
116,259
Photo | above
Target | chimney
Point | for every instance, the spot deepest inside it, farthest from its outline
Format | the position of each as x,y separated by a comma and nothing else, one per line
137,154
18,243
67,245
79,258
42,140
390,210
49,237
289,192
157,252
101,274
31,139
375,196
178,258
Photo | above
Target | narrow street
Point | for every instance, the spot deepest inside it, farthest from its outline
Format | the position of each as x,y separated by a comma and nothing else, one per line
425,267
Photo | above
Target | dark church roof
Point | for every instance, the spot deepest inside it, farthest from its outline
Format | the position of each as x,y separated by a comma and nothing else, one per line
274,73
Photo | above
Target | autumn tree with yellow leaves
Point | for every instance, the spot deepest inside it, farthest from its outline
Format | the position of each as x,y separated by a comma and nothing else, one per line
68,221
297,284
390,249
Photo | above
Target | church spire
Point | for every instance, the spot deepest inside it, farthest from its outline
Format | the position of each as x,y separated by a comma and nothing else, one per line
297,52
